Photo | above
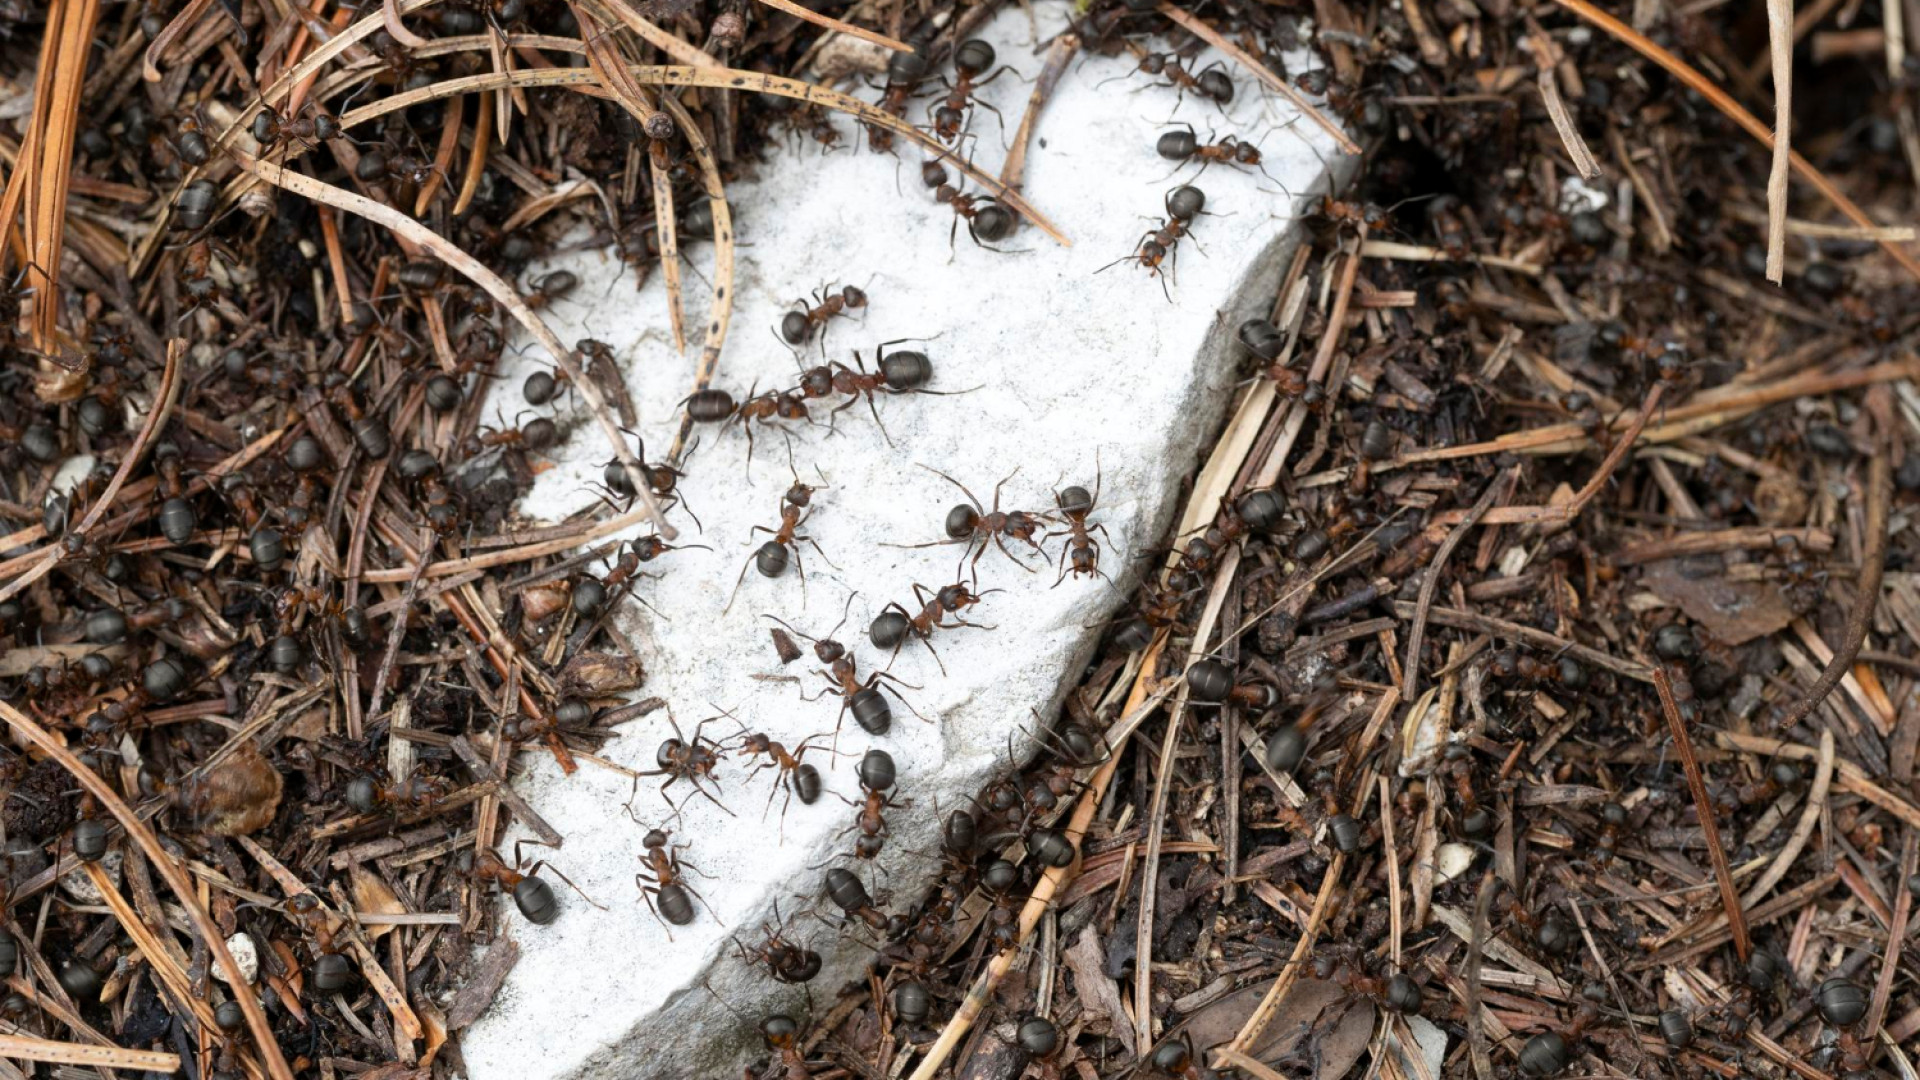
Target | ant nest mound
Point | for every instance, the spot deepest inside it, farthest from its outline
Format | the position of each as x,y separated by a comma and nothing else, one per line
1053,374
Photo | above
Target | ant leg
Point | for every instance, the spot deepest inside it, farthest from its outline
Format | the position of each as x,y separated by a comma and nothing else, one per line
876,419
645,894
736,585
963,488
816,547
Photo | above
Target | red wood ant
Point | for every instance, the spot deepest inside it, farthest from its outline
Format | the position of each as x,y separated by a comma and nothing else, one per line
798,325
1160,245
905,72
662,480
661,879
785,961
877,775
532,896
682,759
1075,504
892,626
590,597
1210,82
949,114
792,774
850,896
988,220
1184,146
904,372
417,792
270,129
869,705
538,434
718,406
771,558
972,524
544,290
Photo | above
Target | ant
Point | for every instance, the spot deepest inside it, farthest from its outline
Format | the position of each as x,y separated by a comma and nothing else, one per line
531,895
416,792
988,220
970,523
799,324
590,596
1075,505
904,372
771,558
717,406
891,627
544,290
1185,147
846,892
691,760
876,773
1156,246
661,878
538,434
1211,82
950,113
869,705
270,129
1397,992
785,961
791,773
662,480
905,72
191,141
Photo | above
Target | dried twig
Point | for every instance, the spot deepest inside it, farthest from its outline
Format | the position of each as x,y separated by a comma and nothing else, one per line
1873,564
1703,803
1780,45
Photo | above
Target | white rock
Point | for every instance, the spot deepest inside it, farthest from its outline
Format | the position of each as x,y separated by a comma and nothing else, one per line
1072,367
246,957
78,884
1429,1039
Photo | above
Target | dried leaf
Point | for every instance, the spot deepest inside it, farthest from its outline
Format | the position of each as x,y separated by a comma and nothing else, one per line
372,895
1735,612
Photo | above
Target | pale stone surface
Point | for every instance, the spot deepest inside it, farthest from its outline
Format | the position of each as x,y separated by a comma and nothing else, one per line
1072,367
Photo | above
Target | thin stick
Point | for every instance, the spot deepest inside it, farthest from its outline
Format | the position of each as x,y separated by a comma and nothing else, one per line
1059,54
1698,82
1417,635
1703,805
1238,55
1157,815
720,314
216,943
105,1057
1616,455
1873,565
1263,1013
1780,44
831,23
1476,953
1896,935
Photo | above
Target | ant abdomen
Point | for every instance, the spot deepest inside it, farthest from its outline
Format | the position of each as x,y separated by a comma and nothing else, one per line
871,711
771,560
